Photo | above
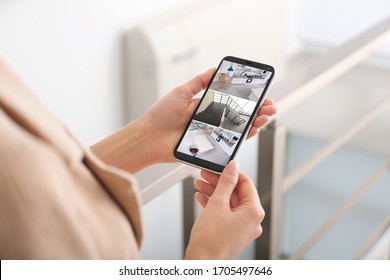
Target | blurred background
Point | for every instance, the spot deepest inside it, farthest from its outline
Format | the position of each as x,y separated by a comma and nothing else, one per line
322,166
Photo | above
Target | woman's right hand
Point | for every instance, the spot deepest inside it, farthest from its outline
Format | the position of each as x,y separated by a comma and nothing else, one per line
231,216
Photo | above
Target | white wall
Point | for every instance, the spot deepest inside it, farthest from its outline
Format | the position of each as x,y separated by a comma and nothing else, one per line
69,52
332,22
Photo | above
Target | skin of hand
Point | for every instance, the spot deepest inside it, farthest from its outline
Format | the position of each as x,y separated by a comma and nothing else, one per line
152,138
231,217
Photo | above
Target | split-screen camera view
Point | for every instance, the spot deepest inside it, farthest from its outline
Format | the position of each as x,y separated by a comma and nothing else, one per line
224,112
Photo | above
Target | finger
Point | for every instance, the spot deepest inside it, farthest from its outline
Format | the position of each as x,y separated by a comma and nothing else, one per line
201,199
257,124
234,200
196,101
268,101
210,177
246,190
249,199
267,110
207,190
198,83
252,132
226,183
204,187
260,121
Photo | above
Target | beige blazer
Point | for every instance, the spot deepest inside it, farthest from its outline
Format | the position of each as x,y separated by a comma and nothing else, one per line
57,199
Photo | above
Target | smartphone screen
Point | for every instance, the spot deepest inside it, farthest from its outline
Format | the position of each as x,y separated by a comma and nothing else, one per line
225,113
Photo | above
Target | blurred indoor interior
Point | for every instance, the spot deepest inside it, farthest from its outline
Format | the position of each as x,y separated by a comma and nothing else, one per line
322,165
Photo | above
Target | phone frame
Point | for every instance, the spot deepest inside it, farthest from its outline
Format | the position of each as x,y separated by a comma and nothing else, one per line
208,165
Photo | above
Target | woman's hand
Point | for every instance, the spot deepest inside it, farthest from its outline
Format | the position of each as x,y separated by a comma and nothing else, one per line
231,217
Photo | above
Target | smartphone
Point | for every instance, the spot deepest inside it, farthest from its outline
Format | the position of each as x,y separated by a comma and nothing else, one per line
224,114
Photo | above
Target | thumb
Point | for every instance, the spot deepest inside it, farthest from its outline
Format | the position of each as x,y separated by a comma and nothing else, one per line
227,181
198,83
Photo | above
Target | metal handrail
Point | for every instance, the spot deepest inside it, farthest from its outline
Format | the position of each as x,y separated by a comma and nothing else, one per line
341,211
170,176
373,239
303,83
300,85
290,181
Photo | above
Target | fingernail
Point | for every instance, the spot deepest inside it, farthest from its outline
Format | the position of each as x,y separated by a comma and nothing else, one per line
232,167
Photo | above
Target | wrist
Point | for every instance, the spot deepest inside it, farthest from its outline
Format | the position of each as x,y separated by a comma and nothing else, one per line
201,251
129,148
196,254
